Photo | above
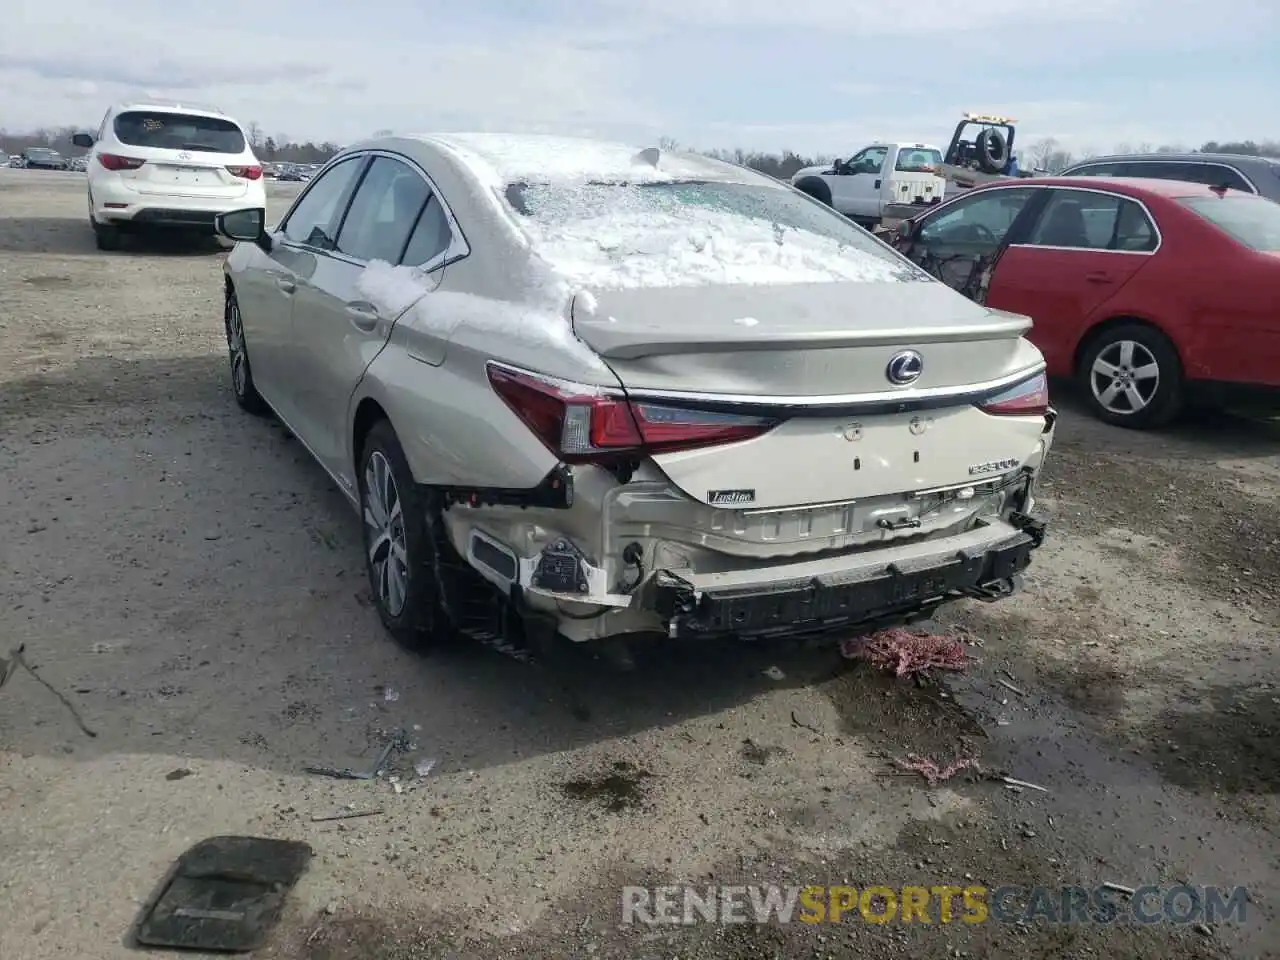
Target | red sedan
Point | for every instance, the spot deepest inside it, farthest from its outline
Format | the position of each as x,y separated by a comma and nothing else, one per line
1145,291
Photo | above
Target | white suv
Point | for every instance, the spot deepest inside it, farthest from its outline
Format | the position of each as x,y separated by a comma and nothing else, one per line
165,165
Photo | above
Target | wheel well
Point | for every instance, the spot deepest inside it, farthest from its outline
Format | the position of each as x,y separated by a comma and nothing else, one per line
816,188
367,414
1098,329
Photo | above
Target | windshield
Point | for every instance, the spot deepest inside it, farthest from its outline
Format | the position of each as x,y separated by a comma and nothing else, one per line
695,232
179,131
918,160
1253,221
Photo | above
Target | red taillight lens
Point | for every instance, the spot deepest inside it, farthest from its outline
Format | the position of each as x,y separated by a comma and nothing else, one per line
113,161
583,424
1027,399
248,173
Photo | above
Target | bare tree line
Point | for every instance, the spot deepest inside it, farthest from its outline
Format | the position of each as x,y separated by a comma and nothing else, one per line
1045,154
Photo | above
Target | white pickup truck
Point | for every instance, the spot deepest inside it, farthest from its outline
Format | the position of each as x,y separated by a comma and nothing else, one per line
875,177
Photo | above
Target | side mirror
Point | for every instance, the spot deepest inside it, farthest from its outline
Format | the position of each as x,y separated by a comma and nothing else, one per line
244,226
905,228
82,140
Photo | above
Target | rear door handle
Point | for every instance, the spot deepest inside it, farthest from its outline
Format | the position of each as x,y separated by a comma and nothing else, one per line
363,315
286,285
1099,277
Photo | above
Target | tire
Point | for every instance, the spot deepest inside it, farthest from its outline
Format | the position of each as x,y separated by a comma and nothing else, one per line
106,236
1130,348
247,395
400,554
993,151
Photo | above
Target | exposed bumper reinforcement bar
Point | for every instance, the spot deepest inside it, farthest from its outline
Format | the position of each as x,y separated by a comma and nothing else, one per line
838,601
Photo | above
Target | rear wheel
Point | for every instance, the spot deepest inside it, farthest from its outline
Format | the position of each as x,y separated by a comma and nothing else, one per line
106,236
1132,377
399,541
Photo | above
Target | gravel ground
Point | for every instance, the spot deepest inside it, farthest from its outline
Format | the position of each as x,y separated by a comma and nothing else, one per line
190,581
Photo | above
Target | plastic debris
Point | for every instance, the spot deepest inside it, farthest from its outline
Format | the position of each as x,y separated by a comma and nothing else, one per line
391,695
775,673
932,773
424,767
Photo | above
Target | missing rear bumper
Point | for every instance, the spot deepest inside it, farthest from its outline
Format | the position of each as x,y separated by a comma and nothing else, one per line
895,592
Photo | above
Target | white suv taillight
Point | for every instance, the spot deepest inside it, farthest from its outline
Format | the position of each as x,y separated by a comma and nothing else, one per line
247,173
114,161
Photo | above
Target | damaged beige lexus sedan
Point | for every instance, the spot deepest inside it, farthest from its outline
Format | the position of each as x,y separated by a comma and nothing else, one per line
580,388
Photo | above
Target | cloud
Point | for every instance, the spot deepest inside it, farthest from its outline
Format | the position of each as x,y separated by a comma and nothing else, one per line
806,74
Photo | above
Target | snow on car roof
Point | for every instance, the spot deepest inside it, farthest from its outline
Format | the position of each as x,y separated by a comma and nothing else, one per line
506,158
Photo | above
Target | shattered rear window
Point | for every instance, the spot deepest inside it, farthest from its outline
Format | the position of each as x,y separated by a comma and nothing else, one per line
677,232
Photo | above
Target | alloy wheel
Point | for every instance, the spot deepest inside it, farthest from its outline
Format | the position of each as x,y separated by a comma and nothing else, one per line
235,344
1124,378
385,534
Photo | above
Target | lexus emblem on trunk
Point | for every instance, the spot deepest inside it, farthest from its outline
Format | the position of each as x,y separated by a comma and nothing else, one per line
904,367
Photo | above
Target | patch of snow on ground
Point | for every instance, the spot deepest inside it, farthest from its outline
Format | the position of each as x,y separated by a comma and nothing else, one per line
700,246
539,323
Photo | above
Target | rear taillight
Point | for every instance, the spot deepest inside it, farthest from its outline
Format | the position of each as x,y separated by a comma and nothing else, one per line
1030,398
248,173
113,161
583,424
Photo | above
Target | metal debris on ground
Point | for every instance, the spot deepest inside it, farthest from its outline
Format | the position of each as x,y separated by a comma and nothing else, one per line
1117,888
347,773
932,773
346,815
9,666
906,652
1010,781
1009,686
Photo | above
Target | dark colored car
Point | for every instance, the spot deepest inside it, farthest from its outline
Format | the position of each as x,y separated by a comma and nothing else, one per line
1147,292
1259,175
42,158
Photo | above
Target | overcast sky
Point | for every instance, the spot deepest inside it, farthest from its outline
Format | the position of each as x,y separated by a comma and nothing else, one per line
810,75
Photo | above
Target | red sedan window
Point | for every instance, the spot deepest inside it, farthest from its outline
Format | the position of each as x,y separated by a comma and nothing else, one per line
1252,221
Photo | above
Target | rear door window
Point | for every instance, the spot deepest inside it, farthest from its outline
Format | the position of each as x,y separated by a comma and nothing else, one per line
1085,220
1098,170
1214,175
383,212
179,131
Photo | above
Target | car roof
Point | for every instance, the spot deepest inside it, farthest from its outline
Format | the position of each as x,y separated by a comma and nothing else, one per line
1230,159
1133,186
167,107
506,158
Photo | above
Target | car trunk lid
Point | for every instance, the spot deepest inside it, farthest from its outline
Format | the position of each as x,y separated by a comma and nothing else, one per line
817,357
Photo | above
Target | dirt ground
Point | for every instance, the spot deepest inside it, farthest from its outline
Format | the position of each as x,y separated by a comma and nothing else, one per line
192,584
